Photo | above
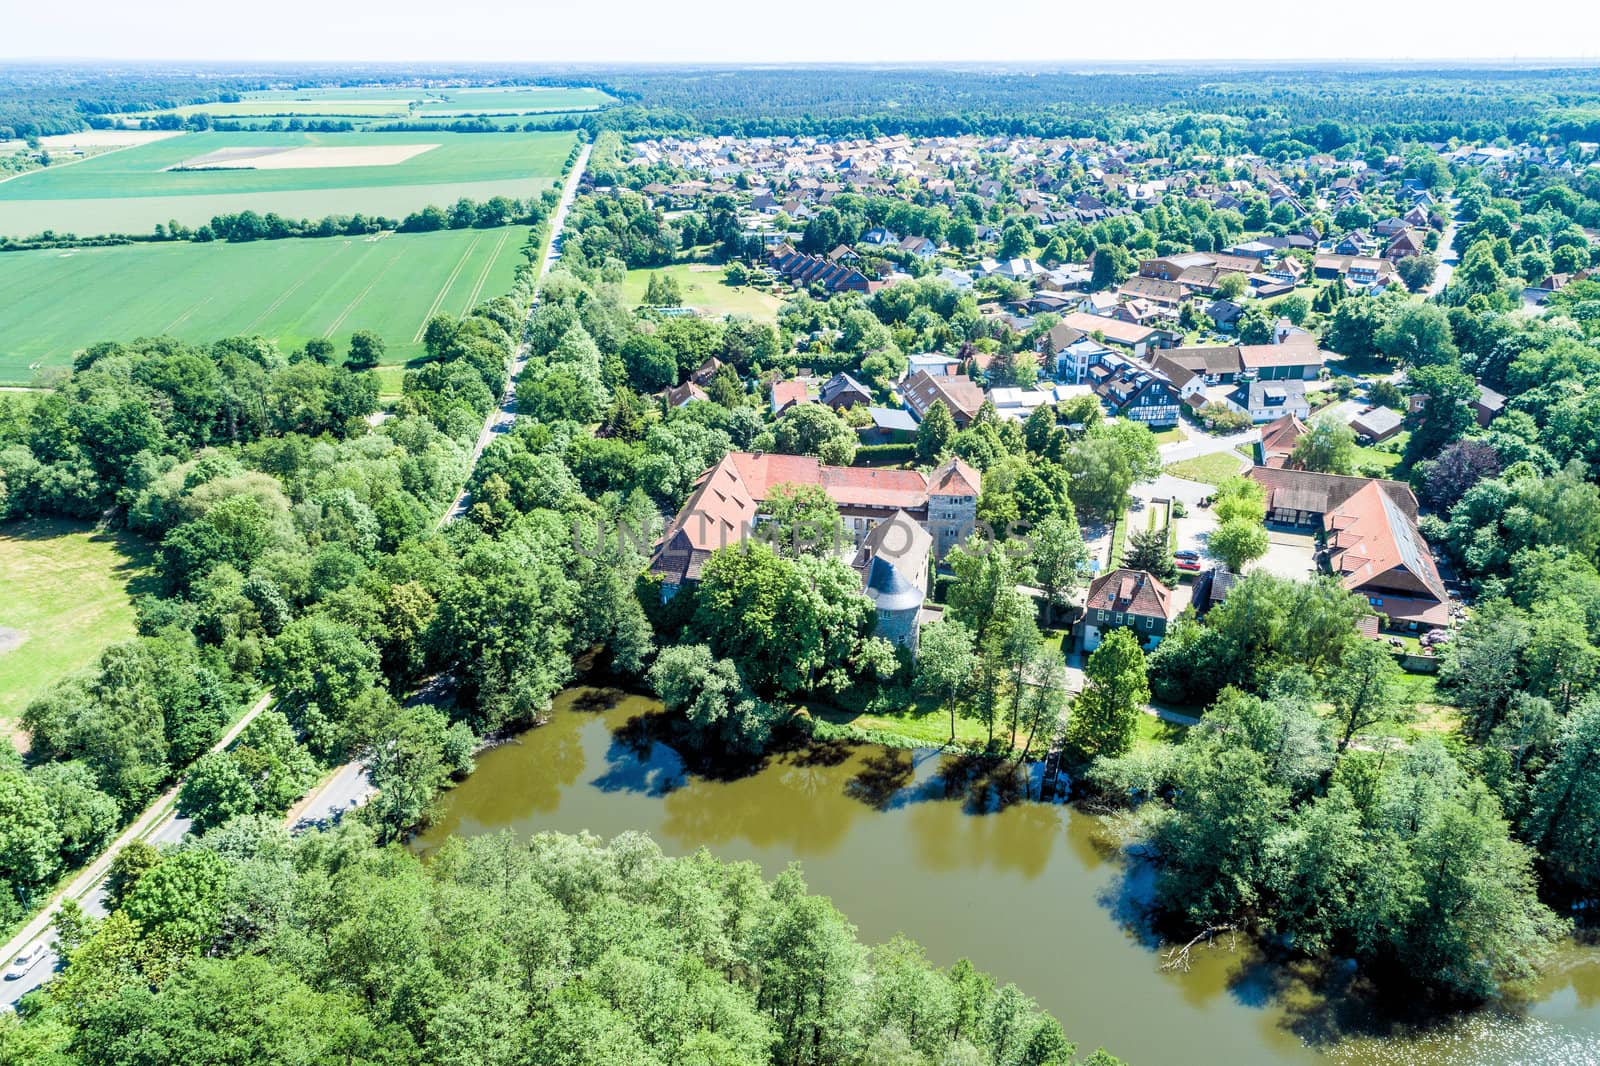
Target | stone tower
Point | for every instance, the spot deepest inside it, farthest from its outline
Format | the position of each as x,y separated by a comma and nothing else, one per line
953,491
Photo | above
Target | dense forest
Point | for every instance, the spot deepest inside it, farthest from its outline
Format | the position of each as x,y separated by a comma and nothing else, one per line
248,946
1323,108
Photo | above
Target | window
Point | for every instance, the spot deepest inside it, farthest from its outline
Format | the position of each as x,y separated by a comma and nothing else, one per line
1099,616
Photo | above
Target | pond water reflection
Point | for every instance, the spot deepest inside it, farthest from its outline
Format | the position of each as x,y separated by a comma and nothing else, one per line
949,852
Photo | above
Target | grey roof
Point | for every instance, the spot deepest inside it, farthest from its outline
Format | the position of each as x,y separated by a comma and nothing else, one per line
1379,420
892,418
893,561
889,589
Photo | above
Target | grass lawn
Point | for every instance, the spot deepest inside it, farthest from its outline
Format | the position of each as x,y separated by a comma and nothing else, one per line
925,722
288,291
1169,436
1212,469
704,290
68,594
1153,731
1383,457
1422,689
132,190
1119,533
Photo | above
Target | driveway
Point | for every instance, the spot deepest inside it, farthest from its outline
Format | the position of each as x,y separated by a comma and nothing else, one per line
1194,528
1196,443
1166,486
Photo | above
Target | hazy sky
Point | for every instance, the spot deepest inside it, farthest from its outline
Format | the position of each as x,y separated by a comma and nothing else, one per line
766,31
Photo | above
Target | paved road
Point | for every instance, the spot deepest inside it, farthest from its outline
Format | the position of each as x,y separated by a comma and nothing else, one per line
343,791
1197,443
502,417
1448,259
159,824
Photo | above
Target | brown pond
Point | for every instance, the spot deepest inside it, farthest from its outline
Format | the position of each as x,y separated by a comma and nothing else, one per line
914,842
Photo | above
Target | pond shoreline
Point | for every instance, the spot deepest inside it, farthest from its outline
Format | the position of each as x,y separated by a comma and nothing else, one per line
942,847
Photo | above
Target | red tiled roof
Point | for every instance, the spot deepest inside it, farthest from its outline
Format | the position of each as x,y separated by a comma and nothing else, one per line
1110,328
1131,592
1375,548
788,392
1278,438
955,478
845,485
958,392
1290,353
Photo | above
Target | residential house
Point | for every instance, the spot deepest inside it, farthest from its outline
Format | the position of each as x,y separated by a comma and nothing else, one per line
843,391
957,391
1133,391
935,363
1217,364
1018,404
1172,267
688,392
1404,245
921,247
1167,294
1190,382
702,374
1267,401
804,271
788,393
1362,270
1488,405
1073,363
1126,599
1301,498
1138,339
959,279
1278,439
1224,314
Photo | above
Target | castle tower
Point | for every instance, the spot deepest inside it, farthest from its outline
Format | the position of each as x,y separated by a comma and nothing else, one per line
953,491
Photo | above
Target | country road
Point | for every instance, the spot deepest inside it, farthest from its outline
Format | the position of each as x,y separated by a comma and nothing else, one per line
346,787
501,417
159,824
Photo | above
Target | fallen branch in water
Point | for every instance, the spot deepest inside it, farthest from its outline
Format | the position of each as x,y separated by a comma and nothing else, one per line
1177,958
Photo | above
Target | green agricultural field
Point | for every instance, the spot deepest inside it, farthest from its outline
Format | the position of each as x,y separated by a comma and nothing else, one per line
704,290
69,593
400,102
134,189
289,291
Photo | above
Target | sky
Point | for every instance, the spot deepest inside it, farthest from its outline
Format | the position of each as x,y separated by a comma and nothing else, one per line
764,31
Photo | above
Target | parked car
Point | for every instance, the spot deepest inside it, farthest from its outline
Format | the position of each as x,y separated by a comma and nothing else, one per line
1186,553
1190,566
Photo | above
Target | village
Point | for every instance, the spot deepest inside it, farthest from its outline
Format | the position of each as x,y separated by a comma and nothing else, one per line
1209,349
